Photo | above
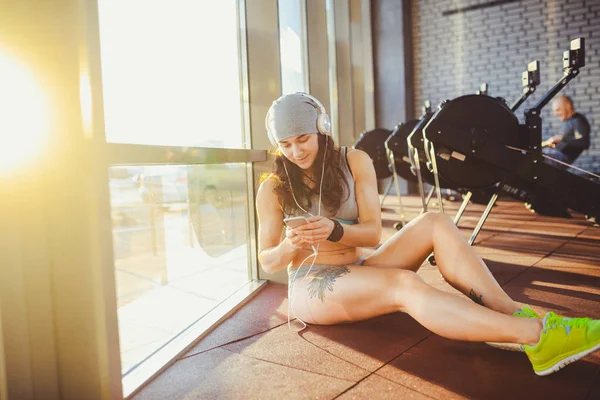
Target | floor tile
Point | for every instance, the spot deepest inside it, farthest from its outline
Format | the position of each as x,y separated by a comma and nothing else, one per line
506,267
267,310
531,243
589,249
561,229
283,346
376,387
591,232
594,393
569,291
221,374
367,344
561,261
448,369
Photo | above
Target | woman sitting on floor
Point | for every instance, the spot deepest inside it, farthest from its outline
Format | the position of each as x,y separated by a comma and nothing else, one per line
330,282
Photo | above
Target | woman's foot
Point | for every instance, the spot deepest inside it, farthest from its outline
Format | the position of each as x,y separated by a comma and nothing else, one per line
563,341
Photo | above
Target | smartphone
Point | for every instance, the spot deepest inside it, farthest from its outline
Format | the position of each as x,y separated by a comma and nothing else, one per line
294,222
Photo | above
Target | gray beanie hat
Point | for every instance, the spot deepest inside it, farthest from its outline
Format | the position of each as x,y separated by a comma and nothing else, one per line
291,115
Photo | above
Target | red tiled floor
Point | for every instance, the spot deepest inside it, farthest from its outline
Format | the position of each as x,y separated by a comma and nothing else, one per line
585,248
525,242
565,228
268,310
590,233
222,374
571,292
378,387
594,392
368,344
448,369
283,346
564,261
551,264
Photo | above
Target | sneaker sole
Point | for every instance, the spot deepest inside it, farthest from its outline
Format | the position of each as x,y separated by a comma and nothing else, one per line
563,363
506,346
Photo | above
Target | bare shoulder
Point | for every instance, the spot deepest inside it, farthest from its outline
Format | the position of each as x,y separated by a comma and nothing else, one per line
265,195
357,155
359,160
267,185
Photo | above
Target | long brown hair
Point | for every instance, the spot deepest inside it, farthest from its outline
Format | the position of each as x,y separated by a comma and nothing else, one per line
334,181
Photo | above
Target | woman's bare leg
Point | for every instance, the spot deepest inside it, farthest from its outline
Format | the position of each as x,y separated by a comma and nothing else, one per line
358,293
458,262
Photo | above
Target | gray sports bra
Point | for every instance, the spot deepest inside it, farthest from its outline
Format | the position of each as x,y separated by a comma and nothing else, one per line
348,211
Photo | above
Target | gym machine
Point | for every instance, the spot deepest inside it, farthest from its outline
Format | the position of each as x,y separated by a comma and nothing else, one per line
400,157
411,142
483,194
477,141
373,143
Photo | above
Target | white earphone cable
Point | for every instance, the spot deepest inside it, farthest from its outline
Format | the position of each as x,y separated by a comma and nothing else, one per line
315,249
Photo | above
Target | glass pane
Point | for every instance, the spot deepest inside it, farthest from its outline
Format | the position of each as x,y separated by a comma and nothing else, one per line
291,46
180,245
170,72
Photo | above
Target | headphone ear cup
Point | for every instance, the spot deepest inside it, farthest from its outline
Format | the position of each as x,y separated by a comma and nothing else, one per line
324,124
323,121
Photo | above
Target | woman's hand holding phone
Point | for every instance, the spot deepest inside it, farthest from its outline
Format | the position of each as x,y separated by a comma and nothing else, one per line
291,233
316,230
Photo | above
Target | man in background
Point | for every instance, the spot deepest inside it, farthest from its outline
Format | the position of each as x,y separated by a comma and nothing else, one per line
574,133
567,146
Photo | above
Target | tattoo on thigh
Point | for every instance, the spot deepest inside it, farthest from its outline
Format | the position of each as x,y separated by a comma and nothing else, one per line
475,298
324,280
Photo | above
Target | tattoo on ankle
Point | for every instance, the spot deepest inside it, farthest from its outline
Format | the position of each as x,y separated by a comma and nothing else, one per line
475,298
324,280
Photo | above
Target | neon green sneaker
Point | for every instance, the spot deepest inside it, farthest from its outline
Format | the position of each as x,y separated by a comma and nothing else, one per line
524,312
563,341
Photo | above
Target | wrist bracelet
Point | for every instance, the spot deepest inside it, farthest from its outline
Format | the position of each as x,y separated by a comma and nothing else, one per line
337,232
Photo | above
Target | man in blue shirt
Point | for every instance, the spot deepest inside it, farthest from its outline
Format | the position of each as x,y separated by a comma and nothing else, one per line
574,133
572,140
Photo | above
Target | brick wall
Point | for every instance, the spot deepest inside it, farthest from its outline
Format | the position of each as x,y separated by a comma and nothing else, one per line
453,54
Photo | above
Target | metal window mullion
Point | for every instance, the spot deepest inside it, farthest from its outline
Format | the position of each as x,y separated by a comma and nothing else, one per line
304,44
136,154
332,71
369,80
252,248
105,291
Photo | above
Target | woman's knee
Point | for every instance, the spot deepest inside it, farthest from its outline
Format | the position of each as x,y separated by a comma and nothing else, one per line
436,222
432,218
406,279
406,283
435,217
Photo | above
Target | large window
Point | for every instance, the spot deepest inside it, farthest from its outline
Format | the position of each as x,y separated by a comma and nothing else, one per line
171,76
180,247
292,46
170,72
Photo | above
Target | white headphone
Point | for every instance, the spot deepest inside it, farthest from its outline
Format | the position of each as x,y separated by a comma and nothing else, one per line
323,121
